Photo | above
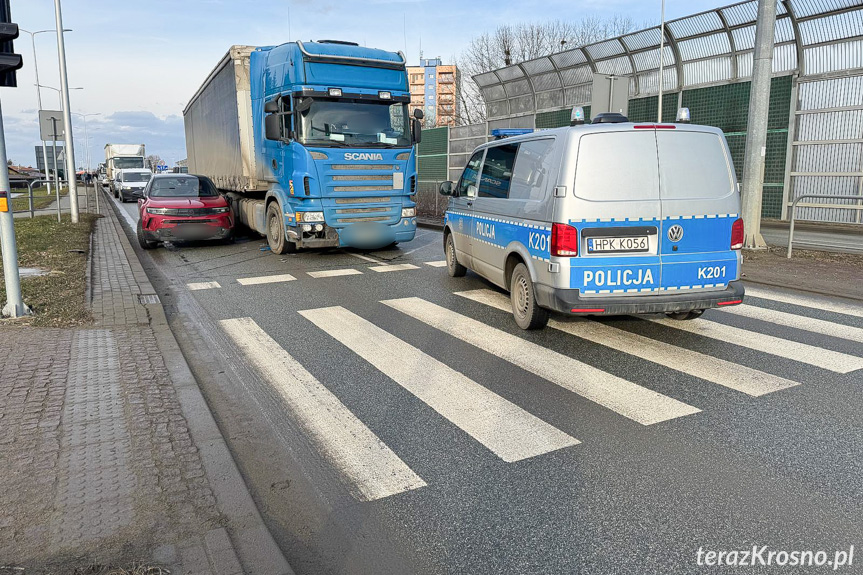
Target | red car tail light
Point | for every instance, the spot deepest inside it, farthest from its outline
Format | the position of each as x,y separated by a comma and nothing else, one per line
737,234
564,240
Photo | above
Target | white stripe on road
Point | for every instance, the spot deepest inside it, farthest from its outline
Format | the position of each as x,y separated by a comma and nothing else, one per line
624,397
798,321
359,455
203,285
335,273
823,358
266,280
507,430
394,268
731,375
365,258
819,303
438,264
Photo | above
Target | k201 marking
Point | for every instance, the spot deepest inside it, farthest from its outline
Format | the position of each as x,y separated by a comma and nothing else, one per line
538,241
711,272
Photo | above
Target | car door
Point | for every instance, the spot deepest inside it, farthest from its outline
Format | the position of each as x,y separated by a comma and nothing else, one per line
700,205
460,210
490,233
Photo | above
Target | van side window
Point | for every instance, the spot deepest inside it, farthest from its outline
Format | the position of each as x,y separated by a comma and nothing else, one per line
497,171
533,164
467,182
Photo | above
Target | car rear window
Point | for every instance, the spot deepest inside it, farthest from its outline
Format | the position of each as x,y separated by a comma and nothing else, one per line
693,165
615,166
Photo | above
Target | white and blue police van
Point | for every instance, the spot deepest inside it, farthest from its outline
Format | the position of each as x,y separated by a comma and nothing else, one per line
606,218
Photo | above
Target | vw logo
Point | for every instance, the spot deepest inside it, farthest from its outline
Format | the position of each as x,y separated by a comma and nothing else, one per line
675,233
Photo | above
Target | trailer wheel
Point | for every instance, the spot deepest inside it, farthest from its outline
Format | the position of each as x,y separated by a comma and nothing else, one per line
279,244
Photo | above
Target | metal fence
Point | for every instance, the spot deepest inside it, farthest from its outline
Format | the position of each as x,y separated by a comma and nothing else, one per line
816,114
87,199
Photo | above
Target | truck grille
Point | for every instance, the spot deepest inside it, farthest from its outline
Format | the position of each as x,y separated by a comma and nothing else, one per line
372,177
362,200
362,210
363,188
388,167
355,220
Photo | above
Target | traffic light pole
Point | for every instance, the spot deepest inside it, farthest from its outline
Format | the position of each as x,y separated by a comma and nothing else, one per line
14,304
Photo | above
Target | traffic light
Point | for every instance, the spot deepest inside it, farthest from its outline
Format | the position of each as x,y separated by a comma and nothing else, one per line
9,60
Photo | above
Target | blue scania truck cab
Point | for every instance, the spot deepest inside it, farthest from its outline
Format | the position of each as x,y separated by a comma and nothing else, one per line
313,141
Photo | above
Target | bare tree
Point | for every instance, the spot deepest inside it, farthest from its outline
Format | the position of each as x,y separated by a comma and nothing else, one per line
154,160
514,43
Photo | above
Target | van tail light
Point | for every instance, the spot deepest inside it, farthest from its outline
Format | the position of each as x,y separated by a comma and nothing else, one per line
564,240
737,234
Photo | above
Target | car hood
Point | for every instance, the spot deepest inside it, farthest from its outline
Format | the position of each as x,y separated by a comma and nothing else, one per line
185,203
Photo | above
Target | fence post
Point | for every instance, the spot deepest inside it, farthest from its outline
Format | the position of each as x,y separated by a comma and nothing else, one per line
30,194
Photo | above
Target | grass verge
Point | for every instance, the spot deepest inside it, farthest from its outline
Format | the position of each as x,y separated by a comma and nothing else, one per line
57,299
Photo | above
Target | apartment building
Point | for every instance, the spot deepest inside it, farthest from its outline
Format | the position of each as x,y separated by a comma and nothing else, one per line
433,88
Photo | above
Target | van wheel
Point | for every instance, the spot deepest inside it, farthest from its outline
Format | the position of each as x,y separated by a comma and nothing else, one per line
685,315
455,269
527,314
276,239
142,239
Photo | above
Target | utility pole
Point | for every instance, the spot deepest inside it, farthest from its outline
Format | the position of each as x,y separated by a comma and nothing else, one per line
67,116
14,304
661,62
756,137
39,97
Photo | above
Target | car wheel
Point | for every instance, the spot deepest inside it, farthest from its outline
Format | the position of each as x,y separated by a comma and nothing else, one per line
686,315
527,314
142,238
454,268
276,239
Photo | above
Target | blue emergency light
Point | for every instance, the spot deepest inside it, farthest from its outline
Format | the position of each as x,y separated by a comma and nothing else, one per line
509,132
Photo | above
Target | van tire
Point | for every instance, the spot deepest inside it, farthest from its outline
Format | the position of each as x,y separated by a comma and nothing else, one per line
525,310
686,315
276,239
455,269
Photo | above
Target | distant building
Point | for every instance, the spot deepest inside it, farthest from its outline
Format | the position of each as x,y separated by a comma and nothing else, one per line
433,88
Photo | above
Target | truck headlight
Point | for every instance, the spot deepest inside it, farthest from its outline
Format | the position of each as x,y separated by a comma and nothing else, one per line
310,216
409,212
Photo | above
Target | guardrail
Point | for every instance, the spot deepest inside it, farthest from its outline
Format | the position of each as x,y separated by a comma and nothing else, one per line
57,184
820,196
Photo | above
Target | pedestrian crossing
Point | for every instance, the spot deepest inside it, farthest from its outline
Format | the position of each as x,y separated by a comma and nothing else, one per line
499,425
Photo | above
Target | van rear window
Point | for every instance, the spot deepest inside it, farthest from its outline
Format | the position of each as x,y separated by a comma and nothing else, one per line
615,166
693,165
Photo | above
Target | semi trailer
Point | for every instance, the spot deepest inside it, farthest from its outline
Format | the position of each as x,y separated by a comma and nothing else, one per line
312,143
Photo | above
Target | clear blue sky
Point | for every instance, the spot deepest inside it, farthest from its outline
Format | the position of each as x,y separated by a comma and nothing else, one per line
140,61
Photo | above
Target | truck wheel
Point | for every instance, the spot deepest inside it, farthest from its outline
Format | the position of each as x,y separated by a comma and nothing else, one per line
279,244
142,240
455,269
527,314
685,315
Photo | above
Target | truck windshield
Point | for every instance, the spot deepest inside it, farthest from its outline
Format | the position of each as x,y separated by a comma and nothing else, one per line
355,123
128,163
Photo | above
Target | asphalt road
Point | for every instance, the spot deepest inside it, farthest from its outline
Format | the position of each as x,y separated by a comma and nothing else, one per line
430,435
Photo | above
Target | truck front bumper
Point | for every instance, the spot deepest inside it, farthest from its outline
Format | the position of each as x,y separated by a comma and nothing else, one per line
569,301
374,236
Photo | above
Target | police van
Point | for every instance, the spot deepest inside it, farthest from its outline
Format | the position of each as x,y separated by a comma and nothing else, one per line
606,218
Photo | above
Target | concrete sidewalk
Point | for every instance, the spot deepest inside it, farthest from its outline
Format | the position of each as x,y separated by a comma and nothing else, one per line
111,455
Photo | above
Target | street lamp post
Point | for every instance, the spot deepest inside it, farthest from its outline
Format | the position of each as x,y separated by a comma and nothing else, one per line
86,136
67,117
39,94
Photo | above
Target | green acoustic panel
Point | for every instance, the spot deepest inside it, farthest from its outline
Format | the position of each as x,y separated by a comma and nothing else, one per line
432,168
558,118
644,109
434,141
771,201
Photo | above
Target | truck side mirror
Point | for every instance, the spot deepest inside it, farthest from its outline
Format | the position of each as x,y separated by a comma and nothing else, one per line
446,188
418,114
272,106
273,127
417,130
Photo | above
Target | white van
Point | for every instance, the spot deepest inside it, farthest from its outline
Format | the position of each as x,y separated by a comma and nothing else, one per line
129,184
602,219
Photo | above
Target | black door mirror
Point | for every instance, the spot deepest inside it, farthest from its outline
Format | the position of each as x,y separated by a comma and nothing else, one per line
273,127
417,130
272,106
447,188
418,114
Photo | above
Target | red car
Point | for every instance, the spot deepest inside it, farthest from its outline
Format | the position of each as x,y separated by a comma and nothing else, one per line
182,207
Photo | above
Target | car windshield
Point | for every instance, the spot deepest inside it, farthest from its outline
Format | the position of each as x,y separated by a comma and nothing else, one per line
354,123
137,177
186,187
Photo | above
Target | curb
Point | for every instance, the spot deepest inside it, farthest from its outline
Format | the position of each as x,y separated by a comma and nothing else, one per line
252,541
